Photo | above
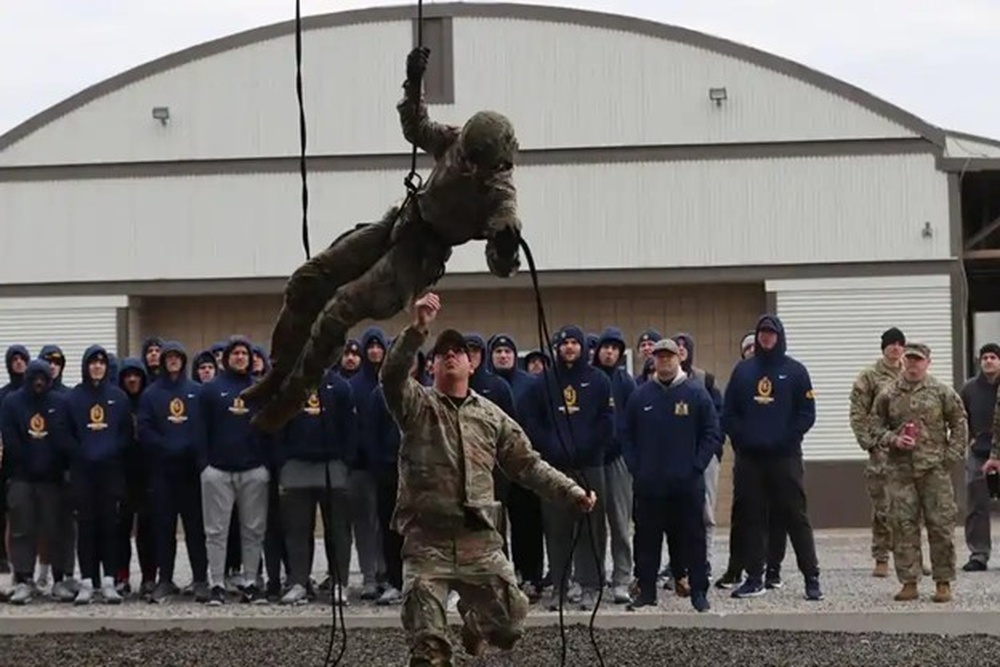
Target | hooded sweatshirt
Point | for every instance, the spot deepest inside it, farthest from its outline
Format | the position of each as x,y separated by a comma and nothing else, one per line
151,372
576,437
622,386
769,405
16,379
230,443
133,365
36,430
488,385
171,426
325,428
203,357
54,351
646,370
518,379
670,435
363,383
101,416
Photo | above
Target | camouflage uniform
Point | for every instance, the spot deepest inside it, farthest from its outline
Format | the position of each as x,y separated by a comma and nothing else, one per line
920,480
447,514
866,387
375,270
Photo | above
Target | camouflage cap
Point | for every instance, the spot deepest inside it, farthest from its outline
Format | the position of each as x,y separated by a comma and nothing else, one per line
488,139
917,350
666,345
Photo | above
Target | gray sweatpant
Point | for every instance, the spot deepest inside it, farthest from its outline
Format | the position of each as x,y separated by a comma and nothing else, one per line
618,505
977,518
711,494
561,521
219,491
364,520
34,511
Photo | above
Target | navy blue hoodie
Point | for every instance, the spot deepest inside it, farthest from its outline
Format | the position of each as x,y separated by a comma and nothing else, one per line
151,372
230,444
769,404
55,353
132,365
536,354
671,434
587,429
363,383
101,416
203,357
171,425
622,386
325,429
16,379
488,385
385,431
36,430
646,370
518,379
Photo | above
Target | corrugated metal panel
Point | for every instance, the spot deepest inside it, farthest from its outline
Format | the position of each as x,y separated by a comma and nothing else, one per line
834,328
544,75
72,324
965,147
739,212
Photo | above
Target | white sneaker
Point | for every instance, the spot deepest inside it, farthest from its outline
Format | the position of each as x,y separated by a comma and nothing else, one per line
339,595
109,592
453,597
86,593
295,595
621,595
44,578
391,596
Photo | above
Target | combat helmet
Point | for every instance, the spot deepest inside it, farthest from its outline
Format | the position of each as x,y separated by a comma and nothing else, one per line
488,140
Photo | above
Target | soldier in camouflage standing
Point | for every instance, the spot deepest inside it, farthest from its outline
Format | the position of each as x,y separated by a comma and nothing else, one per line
451,440
919,422
867,386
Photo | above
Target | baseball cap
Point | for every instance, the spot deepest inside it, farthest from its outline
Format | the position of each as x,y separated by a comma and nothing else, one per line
917,350
449,339
666,345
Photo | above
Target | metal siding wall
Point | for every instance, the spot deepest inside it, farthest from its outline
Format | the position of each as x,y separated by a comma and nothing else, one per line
834,328
595,216
542,74
73,327
962,147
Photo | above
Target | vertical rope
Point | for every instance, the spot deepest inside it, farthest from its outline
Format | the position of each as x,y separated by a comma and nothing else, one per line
302,127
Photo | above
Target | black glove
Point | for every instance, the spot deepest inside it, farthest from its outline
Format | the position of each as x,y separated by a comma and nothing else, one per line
416,63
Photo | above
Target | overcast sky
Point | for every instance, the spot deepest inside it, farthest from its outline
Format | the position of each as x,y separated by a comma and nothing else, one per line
936,59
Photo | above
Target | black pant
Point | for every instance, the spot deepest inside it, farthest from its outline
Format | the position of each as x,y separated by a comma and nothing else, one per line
681,517
98,492
275,552
386,482
137,512
526,535
234,547
298,514
771,492
777,542
177,493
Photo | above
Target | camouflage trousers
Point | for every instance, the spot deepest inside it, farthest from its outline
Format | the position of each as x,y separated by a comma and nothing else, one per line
875,481
932,494
370,272
492,606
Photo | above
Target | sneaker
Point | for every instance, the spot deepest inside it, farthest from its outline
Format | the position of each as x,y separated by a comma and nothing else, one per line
574,593
217,598
974,566
273,591
368,592
641,601
813,591
682,588
339,596
163,592
700,602
23,594
201,592
234,584
729,580
109,593
772,581
532,591
621,595
326,584
751,588
252,595
65,590
44,576
295,595
187,591
146,590
124,588
391,596
588,600
86,594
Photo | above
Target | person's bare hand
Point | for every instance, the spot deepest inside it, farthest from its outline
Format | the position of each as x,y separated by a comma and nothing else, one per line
905,442
586,502
426,309
991,465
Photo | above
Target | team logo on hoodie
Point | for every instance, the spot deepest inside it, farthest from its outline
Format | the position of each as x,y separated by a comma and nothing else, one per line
177,410
312,404
681,409
238,408
97,422
36,427
764,390
569,400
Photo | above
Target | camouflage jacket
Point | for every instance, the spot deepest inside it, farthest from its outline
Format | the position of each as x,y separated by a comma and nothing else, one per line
866,387
459,205
939,414
447,453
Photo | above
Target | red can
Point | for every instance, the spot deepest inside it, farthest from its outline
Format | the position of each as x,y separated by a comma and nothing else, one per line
910,430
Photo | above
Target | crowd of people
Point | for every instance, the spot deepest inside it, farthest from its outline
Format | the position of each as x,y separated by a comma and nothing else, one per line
143,442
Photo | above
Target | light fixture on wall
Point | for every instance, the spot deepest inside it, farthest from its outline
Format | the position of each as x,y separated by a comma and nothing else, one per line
717,95
927,232
161,114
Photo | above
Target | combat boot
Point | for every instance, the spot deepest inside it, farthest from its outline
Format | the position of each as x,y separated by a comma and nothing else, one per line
881,569
473,642
908,593
943,592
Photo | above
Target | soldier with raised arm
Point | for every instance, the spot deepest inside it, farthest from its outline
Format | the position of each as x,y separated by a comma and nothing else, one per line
375,270
451,440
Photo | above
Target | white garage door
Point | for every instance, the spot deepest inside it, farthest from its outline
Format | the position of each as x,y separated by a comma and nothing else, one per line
834,327
72,323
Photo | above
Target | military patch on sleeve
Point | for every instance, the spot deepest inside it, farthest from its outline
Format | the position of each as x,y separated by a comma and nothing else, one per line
811,395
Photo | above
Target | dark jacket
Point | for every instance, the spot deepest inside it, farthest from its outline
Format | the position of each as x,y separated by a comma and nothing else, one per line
518,379
488,385
363,383
203,357
769,405
171,424
671,434
100,416
36,430
325,429
622,386
55,353
16,379
151,372
979,396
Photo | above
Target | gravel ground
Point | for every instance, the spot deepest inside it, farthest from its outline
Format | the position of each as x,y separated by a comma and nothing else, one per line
541,648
